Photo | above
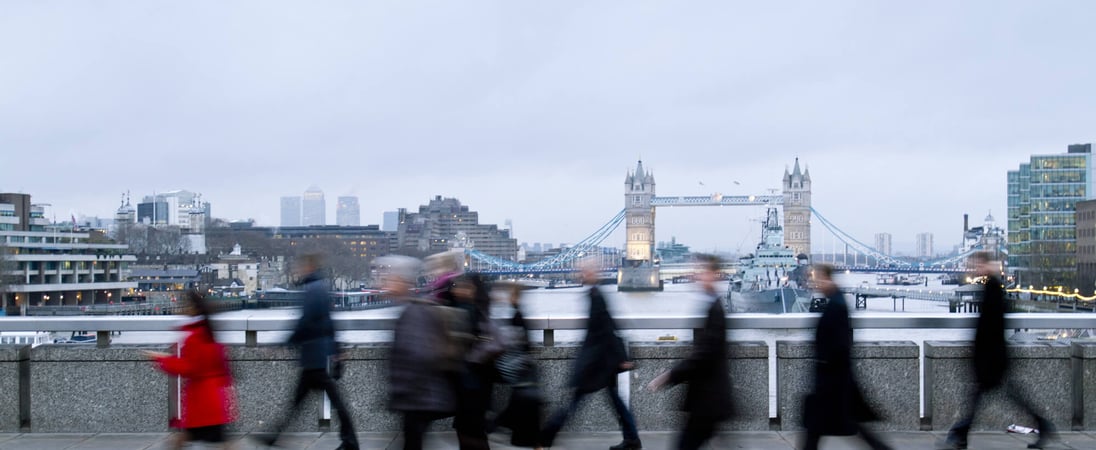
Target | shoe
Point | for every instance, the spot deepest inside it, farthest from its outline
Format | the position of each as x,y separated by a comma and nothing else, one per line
955,442
347,447
628,445
1047,433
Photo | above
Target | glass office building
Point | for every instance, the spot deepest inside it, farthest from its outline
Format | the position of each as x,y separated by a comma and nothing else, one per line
1042,201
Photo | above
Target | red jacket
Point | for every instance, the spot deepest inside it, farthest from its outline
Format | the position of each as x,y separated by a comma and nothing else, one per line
208,397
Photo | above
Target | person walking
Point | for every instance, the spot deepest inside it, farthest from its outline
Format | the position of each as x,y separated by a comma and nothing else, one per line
708,399
600,359
476,382
836,406
314,336
991,358
420,376
208,400
517,369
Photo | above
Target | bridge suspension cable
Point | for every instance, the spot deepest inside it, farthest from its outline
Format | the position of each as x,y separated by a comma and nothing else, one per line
856,244
562,260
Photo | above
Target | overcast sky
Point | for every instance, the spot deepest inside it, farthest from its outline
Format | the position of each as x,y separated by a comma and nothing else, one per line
908,115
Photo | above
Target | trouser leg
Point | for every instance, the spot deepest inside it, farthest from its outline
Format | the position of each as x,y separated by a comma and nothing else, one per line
810,442
698,430
346,424
304,386
624,416
961,428
555,423
414,426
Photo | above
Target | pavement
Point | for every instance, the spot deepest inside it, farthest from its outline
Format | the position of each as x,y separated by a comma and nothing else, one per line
760,440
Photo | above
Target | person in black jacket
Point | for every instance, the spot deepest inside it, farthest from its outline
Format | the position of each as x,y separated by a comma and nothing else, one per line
522,412
708,400
836,406
314,335
600,359
991,357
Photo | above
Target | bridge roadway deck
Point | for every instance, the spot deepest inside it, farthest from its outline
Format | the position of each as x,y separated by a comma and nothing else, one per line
761,440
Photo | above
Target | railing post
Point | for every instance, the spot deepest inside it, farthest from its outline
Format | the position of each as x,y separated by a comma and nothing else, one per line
102,339
549,338
251,338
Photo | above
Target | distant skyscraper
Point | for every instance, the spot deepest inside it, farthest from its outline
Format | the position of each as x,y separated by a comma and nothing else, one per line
348,213
391,221
291,211
924,245
313,207
883,243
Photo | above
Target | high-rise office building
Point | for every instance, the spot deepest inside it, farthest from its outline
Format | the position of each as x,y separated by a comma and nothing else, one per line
445,223
1042,199
924,245
291,211
347,212
173,208
883,243
313,207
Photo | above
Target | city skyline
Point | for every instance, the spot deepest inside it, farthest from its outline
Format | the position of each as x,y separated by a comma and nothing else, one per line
534,113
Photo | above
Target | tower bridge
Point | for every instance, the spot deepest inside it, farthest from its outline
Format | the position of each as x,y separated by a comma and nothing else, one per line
638,268
639,271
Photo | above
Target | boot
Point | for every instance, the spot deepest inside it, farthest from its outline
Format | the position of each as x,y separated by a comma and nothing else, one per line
1047,433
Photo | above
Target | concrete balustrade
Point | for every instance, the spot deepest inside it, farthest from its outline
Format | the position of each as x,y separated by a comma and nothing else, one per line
749,365
887,371
87,388
1084,384
13,387
1041,372
81,389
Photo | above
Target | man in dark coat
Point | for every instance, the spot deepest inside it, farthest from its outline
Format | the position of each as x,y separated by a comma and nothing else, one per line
314,336
601,357
708,399
836,406
991,356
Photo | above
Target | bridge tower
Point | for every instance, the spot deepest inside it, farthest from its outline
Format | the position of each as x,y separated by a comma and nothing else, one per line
797,210
638,271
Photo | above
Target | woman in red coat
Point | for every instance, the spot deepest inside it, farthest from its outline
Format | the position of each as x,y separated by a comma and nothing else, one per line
208,401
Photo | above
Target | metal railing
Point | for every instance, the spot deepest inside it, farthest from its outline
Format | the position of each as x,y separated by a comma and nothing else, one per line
251,326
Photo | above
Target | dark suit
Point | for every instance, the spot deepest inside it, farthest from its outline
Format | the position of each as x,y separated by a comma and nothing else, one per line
708,395
991,362
314,336
836,406
596,367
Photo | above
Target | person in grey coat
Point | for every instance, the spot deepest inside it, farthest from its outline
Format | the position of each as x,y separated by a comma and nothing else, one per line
419,387
314,336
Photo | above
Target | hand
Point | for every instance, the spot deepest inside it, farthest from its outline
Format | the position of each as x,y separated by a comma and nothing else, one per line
155,355
659,382
627,365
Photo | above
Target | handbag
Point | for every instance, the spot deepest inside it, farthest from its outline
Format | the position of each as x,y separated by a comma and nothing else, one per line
489,344
513,367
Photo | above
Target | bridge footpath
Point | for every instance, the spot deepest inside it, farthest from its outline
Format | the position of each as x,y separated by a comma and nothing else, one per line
112,388
755,440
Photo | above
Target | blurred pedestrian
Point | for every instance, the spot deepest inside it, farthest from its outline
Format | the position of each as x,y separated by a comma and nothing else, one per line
708,399
443,268
208,399
421,382
600,359
314,336
836,407
475,382
518,370
991,358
